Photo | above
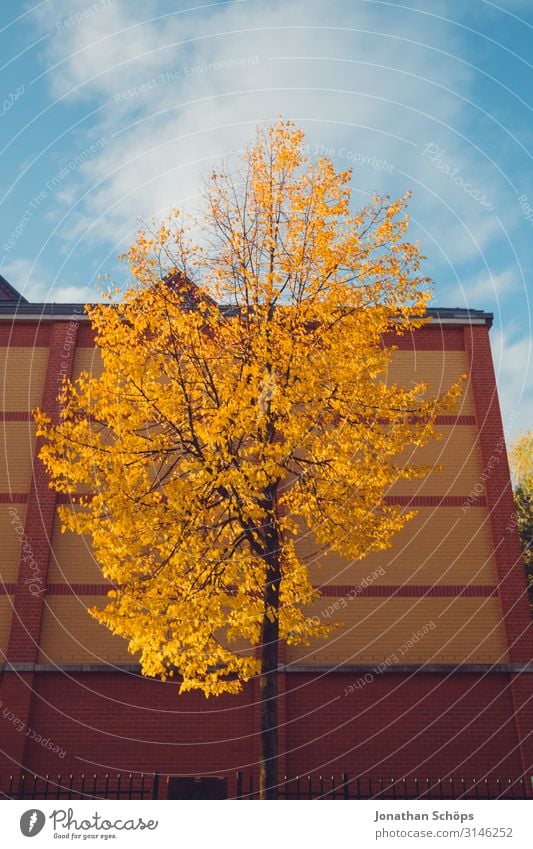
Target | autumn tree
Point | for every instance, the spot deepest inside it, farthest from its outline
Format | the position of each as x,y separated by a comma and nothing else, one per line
243,395
521,459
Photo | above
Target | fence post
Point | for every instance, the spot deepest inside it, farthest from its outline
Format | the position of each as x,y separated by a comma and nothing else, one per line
307,786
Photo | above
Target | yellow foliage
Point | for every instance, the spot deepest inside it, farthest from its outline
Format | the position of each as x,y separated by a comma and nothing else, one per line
521,460
243,392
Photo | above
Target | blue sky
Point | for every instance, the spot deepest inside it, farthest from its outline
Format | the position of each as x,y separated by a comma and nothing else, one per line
113,110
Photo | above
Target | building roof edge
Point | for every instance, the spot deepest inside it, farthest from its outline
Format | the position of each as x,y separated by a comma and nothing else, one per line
26,310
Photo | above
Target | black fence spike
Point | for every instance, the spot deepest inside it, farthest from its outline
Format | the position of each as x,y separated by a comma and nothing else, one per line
155,785
345,785
308,786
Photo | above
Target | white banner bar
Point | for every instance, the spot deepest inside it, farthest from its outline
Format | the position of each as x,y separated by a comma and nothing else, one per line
247,825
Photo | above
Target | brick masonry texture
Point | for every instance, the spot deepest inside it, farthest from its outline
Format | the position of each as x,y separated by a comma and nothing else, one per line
396,725
456,568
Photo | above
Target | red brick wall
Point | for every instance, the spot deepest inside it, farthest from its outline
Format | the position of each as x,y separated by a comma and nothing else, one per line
399,724
393,726
431,724
516,612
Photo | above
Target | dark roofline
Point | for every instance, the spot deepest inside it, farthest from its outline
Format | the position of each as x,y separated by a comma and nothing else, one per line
11,292
24,309
16,306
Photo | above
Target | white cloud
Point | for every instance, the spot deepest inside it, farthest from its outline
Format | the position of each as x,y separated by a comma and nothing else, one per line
485,288
180,90
36,284
512,356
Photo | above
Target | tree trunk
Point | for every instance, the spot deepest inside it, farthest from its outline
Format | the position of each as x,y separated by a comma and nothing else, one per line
269,764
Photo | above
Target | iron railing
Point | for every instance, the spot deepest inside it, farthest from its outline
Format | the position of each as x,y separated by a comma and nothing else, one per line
370,787
94,786
243,785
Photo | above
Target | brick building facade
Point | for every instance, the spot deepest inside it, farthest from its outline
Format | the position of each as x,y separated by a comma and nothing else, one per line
431,673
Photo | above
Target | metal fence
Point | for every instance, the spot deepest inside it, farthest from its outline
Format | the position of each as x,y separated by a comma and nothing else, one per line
118,786
370,787
242,785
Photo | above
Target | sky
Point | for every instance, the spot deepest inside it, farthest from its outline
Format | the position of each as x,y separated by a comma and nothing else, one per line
112,112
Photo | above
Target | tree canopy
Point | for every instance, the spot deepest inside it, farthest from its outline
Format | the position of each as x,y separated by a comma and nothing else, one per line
243,395
521,459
